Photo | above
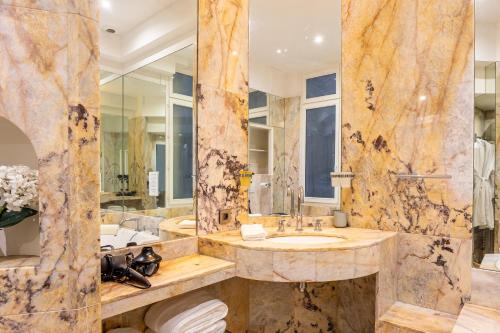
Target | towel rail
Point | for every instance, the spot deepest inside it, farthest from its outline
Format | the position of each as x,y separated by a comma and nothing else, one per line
414,176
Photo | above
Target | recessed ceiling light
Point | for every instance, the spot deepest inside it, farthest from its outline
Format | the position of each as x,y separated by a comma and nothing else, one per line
106,4
279,51
110,30
318,39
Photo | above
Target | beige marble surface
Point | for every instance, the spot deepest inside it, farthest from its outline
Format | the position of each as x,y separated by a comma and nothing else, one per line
393,53
407,318
477,319
222,93
434,272
49,74
174,277
322,307
352,238
485,284
357,255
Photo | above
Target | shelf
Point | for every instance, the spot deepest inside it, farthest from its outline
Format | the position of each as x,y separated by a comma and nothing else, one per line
412,318
175,277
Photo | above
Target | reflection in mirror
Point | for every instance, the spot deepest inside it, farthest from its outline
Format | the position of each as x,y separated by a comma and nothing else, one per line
19,227
147,131
294,106
486,211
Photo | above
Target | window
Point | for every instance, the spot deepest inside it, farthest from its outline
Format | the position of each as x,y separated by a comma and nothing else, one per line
257,100
182,162
183,84
180,150
321,86
320,151
259,120
320,138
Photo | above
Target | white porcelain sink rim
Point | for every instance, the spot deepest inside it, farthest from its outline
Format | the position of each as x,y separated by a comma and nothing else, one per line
305,239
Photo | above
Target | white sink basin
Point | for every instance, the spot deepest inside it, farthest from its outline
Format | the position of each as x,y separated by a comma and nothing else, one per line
305,240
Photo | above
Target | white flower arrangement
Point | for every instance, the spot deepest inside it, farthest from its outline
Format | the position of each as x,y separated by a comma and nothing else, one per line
18,187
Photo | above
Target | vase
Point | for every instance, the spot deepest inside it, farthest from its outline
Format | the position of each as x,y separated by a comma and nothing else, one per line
11,218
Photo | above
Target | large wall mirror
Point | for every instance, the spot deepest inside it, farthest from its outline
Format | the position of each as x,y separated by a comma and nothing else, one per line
294,105
147,132
486,214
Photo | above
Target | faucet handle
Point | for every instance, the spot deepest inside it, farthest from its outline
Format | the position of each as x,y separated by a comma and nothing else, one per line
317,225
281,226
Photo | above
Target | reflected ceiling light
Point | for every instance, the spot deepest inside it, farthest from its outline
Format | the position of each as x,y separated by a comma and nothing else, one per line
422,98
318,39
235,53
106,4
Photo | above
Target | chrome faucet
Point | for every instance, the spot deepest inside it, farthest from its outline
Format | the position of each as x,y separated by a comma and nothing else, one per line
300,207
291,192
281,226
136,219
317,225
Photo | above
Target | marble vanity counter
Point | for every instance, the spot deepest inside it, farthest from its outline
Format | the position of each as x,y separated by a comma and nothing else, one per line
357,253
353,238
169,228
174,277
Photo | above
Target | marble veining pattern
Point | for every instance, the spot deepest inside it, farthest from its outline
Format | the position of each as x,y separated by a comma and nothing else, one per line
322,307
224,119
222,112
408,68
434,272
49,89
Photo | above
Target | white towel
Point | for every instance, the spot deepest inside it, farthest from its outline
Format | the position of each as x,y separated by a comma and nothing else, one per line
253,232
109,229
187,224
190,314
124,330
218,327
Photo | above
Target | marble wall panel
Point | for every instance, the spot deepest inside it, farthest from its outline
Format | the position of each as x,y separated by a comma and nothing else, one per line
222,112
408,69
49,89
292,137
222,154
434,272
322,307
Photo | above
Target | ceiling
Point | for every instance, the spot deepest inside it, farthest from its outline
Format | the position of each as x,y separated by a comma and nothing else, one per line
487,11
291,27
124,15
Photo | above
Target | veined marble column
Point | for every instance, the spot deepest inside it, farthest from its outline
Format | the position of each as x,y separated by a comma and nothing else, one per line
222,112
407,107
49,82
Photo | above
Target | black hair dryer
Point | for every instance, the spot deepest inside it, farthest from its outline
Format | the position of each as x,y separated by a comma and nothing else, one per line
118,268
147,262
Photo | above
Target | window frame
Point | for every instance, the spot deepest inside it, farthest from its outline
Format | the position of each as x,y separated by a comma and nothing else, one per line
318,102
187,102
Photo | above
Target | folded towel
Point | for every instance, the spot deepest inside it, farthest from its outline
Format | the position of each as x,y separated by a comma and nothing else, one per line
109,229
124,330
253,232
217,327
187,224
190,314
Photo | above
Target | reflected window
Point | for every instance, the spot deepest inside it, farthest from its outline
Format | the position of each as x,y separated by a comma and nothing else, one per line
321,86
257,99
183,84
259,120
182,161
320,151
